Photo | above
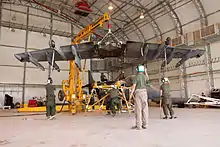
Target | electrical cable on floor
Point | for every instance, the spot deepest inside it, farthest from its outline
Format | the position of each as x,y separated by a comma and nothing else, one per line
62,106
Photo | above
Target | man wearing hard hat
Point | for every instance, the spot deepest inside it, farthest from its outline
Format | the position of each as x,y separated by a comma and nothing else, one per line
166,100
139,89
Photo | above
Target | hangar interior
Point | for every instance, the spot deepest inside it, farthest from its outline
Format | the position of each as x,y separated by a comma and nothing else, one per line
29,25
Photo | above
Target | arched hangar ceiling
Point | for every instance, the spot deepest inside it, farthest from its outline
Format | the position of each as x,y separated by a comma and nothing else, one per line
162,17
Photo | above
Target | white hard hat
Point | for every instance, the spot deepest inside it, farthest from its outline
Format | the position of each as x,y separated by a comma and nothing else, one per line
166,80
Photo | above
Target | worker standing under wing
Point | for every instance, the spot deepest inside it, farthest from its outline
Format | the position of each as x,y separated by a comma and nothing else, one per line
115,100
166,100
139,89
50,99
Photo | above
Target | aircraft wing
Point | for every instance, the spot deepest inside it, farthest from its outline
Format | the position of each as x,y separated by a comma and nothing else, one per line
62,53
142,52
137,51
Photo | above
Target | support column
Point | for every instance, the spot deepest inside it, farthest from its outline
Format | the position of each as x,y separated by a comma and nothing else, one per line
51,35
161,74
0,18
208,57
183,81
72,33
25,63
209,69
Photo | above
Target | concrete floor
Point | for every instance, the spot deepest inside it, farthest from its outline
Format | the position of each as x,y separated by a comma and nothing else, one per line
193,128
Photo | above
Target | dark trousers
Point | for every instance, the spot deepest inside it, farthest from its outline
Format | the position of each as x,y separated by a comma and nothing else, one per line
167,106
108,103
115,102
51,109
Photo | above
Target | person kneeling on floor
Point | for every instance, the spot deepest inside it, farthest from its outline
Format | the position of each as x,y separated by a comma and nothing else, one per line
115,100
50,99
166,100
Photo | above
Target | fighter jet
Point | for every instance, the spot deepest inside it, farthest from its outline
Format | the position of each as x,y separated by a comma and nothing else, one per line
139,51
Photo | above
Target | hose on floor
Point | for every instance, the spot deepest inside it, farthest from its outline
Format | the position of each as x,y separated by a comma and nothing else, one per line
62,106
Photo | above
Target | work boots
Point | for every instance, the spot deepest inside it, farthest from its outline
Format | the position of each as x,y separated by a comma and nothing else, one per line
135,127
173,117
139,128
165,117
51,117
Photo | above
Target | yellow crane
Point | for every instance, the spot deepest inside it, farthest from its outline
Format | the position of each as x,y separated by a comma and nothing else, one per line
72,87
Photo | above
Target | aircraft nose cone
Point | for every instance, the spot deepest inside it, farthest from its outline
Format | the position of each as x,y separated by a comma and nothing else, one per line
18,57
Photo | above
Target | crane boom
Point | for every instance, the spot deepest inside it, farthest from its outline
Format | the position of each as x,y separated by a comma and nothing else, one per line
72,87
90,28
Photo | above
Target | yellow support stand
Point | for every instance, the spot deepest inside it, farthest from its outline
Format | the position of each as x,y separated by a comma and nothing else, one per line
99,105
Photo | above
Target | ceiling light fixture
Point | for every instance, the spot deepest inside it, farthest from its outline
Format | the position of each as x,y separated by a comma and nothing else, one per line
142,15
110,6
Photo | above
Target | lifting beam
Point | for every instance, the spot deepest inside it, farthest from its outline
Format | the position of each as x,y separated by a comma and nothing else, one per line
72,87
